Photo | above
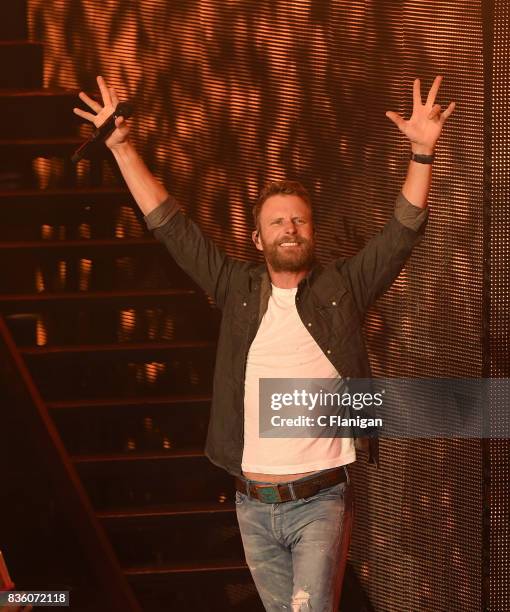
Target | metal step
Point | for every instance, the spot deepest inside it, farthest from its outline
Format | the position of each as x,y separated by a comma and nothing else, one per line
205,585
102,213
13,20
128,402
83,268
19,148
166,315
149,368
192,453
63,198
22,64
27,108
30,302
138,350
18,153
153,479
179,318
169,510
82,248
187,568
144,427
175,538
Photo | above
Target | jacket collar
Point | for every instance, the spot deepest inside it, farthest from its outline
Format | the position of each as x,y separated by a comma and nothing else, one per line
260,276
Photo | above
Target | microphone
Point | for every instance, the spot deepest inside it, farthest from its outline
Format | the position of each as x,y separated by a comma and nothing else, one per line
101,133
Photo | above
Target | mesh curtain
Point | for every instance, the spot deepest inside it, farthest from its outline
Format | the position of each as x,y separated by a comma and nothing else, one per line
229,95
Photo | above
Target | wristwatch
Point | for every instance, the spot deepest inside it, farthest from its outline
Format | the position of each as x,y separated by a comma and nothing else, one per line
422,159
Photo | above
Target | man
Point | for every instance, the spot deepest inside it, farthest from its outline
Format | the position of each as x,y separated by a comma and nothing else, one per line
290,318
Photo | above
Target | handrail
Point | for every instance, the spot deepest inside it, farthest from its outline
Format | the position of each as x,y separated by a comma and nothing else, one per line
89,530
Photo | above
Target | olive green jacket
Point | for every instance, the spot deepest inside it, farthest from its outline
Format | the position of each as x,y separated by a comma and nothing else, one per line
331,301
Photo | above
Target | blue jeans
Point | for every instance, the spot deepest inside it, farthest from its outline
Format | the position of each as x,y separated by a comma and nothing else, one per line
297,550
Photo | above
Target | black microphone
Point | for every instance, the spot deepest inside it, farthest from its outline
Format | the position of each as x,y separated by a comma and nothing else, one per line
101,133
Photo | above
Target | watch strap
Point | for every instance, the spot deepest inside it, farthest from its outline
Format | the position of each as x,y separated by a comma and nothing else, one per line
422,159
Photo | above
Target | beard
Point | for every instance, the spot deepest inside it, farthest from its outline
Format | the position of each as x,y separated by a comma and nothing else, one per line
290,259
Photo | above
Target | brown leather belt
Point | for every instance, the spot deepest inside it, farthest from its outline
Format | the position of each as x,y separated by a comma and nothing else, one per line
281,491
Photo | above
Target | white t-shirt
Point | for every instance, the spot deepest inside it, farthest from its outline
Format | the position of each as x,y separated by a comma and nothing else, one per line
283,348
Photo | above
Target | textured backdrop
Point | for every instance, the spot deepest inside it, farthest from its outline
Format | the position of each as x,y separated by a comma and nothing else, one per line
231,94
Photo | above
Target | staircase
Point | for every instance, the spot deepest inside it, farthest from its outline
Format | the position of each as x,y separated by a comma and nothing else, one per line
120,345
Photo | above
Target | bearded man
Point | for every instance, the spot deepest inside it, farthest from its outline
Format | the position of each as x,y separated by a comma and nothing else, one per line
289,317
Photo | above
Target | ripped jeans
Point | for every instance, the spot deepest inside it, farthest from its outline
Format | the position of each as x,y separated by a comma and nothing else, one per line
297,550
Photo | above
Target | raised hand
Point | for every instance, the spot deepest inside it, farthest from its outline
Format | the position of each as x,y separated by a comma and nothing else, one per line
110,101
424,127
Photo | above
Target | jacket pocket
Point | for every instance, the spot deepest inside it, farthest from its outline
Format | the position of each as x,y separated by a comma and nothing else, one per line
238,313
340,311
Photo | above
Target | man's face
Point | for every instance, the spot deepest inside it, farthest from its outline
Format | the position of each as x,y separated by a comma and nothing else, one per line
286,234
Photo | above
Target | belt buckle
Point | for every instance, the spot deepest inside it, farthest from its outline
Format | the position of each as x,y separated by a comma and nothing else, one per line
269,493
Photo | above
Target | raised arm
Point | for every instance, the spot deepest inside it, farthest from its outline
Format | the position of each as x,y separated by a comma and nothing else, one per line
373,269
147,191
198,256
423,130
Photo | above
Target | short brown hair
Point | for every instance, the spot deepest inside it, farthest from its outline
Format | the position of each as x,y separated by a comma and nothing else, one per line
284,187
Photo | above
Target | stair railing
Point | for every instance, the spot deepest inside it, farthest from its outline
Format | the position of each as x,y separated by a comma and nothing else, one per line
89,532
